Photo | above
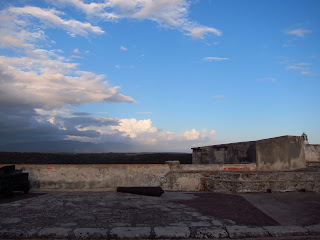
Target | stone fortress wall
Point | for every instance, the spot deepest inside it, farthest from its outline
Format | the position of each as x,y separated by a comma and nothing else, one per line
171,176
258,166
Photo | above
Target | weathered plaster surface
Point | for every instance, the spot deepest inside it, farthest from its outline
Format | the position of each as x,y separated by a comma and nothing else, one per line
280,154
172,176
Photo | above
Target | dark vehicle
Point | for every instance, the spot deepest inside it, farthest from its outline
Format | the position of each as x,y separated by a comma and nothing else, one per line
13,180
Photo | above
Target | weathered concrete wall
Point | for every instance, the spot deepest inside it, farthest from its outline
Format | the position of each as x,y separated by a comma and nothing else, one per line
233,153
171,176
280,153
312,152
196,156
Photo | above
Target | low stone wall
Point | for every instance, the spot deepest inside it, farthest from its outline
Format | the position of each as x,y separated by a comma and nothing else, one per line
171,176
241,182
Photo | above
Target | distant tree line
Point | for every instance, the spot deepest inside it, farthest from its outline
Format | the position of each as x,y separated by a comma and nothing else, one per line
92,158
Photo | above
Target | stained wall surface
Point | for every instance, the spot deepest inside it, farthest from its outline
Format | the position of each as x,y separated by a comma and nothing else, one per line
280,153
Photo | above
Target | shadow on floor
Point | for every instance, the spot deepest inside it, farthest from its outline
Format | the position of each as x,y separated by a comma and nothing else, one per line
229,206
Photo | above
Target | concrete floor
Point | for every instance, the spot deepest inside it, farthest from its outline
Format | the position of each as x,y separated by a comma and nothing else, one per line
186,213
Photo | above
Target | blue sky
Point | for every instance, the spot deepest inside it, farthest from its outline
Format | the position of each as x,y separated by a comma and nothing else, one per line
159,75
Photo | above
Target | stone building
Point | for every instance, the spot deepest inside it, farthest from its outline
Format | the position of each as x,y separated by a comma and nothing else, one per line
280,153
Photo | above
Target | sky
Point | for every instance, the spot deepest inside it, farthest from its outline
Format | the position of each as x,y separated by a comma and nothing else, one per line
158,75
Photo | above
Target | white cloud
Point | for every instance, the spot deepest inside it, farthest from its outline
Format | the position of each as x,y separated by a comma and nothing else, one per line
91,9
43,82
133,128
191,135
50,17
117,66
213,132
76,50
16,33
10,41
43,78
167,13
123,48
199,32
298,32
210,59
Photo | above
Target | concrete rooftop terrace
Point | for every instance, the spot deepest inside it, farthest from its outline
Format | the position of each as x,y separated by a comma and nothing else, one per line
188,215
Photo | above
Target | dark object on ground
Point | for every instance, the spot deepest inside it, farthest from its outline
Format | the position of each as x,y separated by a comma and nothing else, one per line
13,180
149,191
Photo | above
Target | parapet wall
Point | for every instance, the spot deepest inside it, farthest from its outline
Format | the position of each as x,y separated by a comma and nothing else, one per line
171,177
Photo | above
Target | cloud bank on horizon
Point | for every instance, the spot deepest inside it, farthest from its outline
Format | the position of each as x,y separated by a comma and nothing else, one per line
39,84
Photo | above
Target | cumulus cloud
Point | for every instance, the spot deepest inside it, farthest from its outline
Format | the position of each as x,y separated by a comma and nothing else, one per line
167,13
213,132
76,50
45,83
191,135
194,135
132,127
